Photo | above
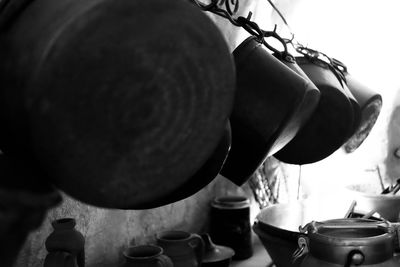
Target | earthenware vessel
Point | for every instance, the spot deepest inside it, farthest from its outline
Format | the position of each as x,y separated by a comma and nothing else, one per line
185,249
146,256
66,238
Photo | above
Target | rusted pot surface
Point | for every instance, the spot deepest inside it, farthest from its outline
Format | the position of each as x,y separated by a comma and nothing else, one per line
120,102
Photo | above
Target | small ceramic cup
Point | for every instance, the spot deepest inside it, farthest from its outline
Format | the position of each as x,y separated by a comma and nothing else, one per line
146,256
185,249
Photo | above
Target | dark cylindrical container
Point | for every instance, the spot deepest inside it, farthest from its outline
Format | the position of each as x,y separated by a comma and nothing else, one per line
230,225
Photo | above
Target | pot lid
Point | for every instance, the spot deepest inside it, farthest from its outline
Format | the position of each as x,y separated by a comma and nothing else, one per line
215,253
231,202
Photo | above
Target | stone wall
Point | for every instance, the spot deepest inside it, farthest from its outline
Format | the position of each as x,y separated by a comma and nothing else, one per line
107,232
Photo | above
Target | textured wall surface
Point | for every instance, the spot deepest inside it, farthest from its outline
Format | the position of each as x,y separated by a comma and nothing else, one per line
107,232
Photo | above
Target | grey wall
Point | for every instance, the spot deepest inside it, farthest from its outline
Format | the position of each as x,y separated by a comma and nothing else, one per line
107,232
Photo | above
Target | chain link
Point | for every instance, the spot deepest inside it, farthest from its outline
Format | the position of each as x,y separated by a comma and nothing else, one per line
337,67
244,22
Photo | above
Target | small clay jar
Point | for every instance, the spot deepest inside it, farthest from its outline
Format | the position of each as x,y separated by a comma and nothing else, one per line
185,249
66,238
146,256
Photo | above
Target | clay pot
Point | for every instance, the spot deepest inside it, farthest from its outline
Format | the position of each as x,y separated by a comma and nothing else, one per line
66,238
146,256
185,249
120,103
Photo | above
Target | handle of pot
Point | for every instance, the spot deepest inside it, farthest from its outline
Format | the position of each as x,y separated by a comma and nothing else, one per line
165,261
302,248
197,243
355,257
388,227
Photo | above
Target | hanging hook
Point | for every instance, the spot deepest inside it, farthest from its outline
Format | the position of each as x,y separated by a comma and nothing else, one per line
275,35
246,23
206,7
235,4
250,26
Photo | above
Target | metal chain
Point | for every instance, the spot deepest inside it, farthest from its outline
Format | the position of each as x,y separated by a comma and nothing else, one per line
338,68
244,22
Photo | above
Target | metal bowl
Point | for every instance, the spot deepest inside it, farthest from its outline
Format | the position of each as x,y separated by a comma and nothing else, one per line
277,226
387,205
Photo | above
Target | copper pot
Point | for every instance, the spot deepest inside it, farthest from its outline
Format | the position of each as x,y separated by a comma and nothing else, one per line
272,104
331,123
370,103
120,103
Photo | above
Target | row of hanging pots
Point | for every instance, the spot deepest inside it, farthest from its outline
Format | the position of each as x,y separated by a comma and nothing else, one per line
272,103
124,107
300,110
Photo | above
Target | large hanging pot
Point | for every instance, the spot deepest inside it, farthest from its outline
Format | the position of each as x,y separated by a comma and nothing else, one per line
332,122
120,103
203,176
272,103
